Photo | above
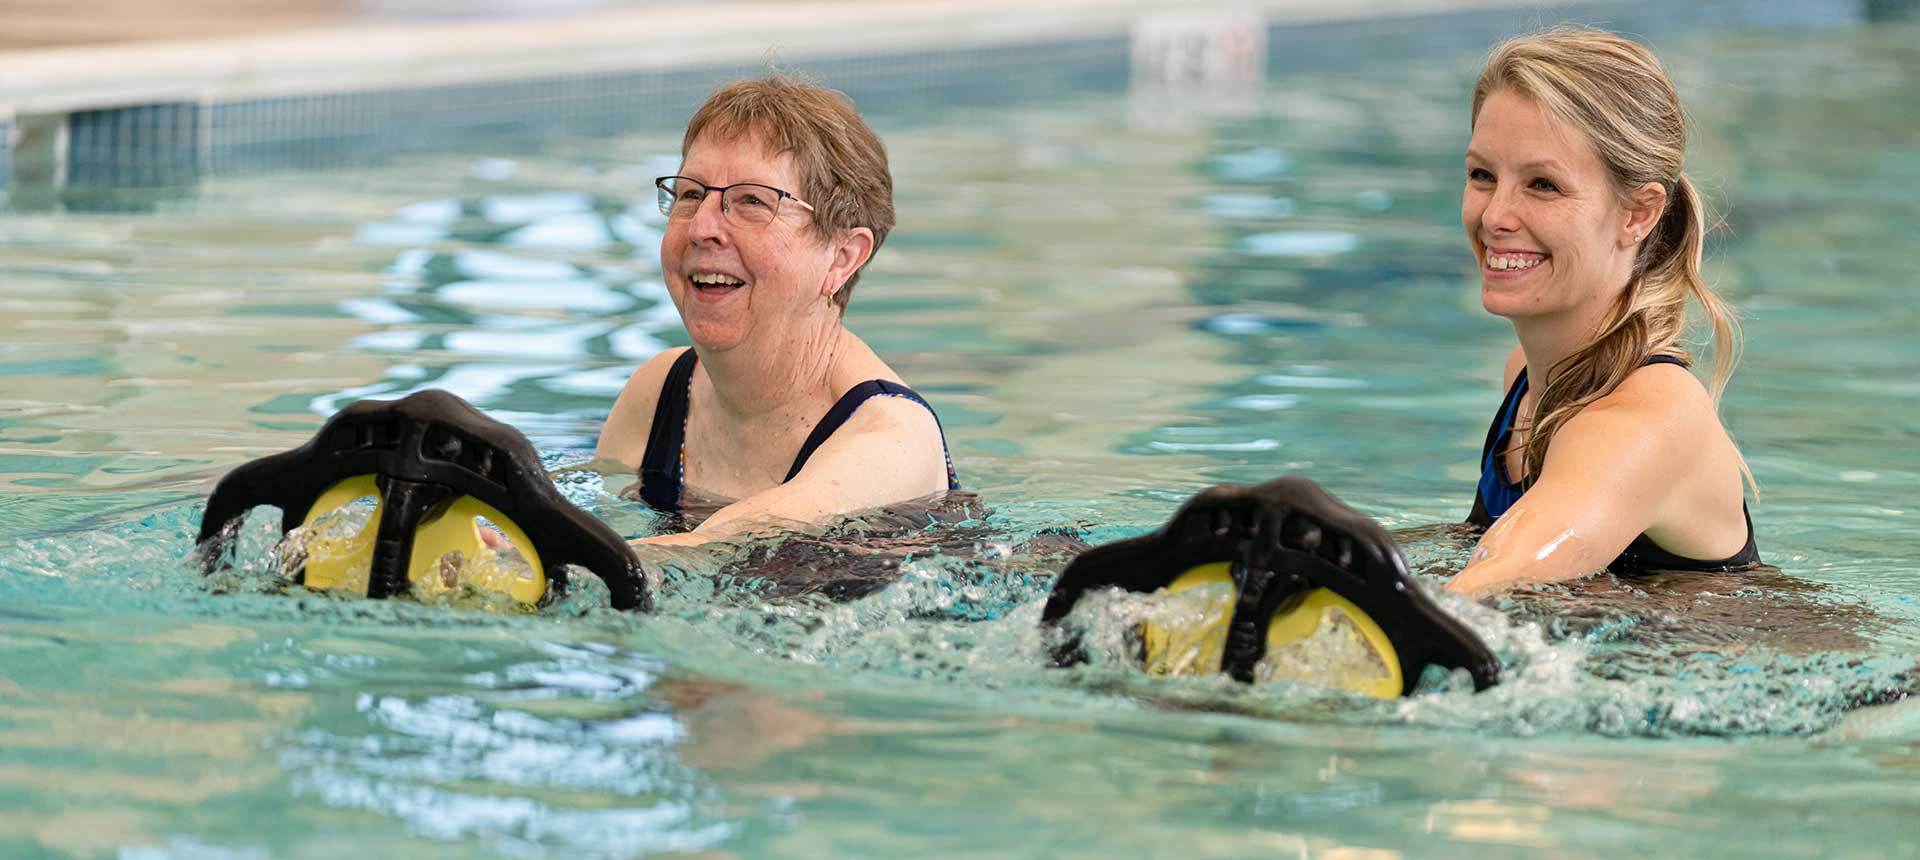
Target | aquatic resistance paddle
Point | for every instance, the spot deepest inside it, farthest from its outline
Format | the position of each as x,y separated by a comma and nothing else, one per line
1286,562
435,465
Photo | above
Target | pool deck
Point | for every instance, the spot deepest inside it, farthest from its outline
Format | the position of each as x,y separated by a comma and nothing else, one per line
41,24
64,55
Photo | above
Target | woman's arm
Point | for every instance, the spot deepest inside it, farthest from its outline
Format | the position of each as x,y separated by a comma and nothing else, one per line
1613,471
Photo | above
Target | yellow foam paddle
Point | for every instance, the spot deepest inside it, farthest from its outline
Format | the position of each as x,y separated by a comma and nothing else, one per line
458,530
1353,653
344,562
1193,648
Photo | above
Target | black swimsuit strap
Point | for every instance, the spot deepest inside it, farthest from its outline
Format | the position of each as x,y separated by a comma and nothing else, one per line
662,469
843,409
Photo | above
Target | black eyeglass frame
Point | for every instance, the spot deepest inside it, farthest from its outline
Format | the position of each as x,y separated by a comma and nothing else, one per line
671,197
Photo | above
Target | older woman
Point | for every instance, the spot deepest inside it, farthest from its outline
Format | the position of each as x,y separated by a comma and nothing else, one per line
1606,451
778,413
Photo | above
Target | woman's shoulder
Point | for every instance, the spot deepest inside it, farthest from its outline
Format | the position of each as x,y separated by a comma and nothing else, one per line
624,436
655,369
1665,388
875,411
905,419
1663,403
1659,438
1516,362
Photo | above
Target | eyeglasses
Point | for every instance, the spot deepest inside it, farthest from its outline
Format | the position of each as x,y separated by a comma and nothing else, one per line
748,204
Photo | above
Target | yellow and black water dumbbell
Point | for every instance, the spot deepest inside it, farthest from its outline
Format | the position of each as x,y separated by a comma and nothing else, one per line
1280,564
436,467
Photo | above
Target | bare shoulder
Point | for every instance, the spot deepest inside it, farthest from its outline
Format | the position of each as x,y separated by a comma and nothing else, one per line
892,415
1667,395
1659,414
624,436
891,442
1516,361
889,450
881,414
1654,454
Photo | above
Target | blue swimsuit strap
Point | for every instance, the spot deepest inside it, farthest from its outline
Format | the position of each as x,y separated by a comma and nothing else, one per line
1503,428
1493,491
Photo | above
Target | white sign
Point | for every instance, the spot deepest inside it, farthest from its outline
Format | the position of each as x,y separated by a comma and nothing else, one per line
1201,48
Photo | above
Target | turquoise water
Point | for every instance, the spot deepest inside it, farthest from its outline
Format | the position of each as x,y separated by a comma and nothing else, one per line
1114,303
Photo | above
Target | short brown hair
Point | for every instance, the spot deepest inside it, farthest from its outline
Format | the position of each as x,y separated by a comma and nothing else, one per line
843,166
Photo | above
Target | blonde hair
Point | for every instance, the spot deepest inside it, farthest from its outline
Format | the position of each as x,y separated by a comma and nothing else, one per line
1618,95
843,165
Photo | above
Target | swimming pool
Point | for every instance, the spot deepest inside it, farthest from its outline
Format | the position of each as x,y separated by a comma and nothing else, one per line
1114,301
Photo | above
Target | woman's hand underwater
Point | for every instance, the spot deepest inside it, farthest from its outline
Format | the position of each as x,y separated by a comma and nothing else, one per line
493,539
680,539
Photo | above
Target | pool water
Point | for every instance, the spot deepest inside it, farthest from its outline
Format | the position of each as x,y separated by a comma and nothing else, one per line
1113,302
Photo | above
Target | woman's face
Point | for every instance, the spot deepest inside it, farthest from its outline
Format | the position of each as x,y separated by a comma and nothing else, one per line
1541,214
728,280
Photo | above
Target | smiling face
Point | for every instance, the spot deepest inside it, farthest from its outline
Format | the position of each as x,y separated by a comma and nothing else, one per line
1551,234
730,281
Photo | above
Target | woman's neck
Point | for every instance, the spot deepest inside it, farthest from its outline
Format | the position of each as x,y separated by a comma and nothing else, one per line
776,380
1546,341
1549,339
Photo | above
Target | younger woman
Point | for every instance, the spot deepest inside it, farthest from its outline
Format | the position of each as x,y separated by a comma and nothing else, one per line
1607,451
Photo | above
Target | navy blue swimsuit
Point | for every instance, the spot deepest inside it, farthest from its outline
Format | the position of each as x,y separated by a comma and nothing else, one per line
663,475
1497,493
